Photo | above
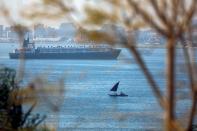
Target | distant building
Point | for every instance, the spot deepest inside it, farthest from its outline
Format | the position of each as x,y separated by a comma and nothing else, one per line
51,32
81,36
108,33
114,31
39,31
11,34
67,30
194,33
1,30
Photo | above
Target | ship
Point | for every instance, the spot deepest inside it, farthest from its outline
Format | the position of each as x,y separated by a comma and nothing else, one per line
81,52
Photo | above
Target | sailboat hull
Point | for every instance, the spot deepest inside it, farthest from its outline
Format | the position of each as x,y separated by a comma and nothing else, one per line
116,95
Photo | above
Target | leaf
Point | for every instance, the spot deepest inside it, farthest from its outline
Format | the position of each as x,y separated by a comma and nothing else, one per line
99,17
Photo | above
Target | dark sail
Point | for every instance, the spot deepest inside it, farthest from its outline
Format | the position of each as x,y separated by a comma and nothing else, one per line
115,87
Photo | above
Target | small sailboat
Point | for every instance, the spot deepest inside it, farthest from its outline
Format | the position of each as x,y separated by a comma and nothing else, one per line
113,91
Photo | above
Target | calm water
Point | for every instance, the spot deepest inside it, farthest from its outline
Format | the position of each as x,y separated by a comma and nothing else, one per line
85,103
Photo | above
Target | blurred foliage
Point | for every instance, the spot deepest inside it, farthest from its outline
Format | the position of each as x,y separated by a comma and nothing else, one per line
48,9
96,36
12,116
98,16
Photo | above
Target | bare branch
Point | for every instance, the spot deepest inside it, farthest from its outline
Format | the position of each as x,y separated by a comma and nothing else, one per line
161,14
130,44
147,18
192,112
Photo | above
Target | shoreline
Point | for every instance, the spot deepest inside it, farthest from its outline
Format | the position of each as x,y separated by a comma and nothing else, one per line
117,45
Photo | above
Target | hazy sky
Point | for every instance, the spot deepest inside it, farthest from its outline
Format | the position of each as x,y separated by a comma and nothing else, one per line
15,6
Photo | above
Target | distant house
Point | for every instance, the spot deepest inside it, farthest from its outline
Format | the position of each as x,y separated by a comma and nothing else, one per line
67,30
108,33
